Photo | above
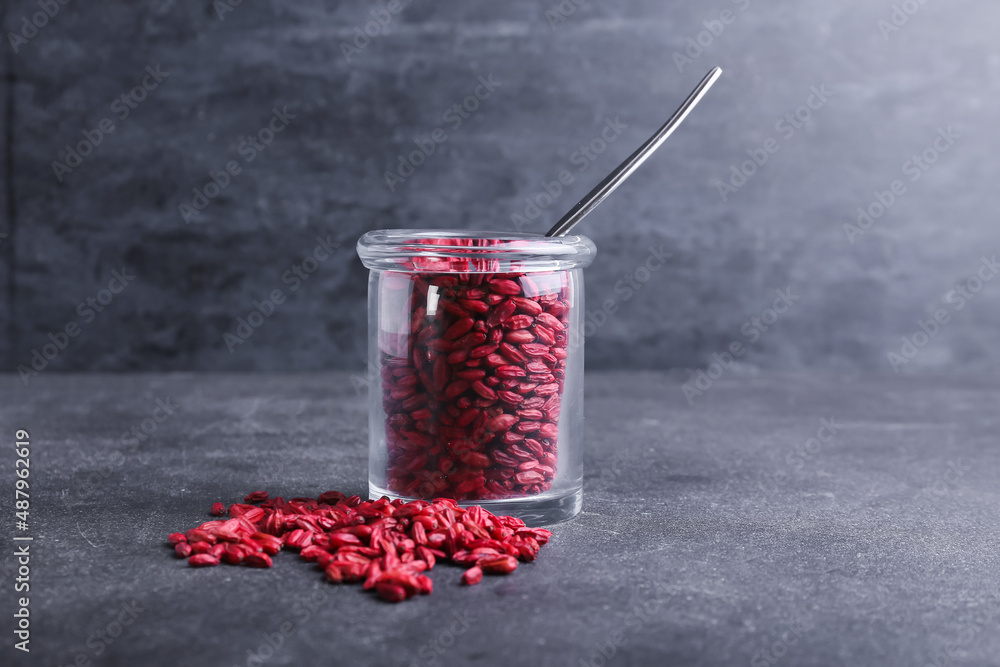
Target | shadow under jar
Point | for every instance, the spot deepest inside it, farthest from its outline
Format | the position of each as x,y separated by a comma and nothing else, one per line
476,366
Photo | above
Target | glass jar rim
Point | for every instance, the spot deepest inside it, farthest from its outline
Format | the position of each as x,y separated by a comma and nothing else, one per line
415,250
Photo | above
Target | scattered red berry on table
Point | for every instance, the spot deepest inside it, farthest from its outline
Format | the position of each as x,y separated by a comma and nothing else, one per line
386,544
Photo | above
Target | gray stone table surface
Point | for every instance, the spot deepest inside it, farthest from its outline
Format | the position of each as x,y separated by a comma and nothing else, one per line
780,519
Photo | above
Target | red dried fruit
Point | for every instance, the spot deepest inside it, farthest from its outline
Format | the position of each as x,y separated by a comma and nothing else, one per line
534,349
474,306
521,336
483,390
198,535
470,340
225,535
501,423
248,512
549,430
257,560
459,328
234,553
200,547
495,360
510,397
549,321
519,322
331,497
540,535
512,353
456,388
529,477
203,560
472,576
527,306
426,585
483,351
333,574
269,544
218,509
256,497
340,539
350,570
498,564
299,539
372,574
388,545
508,287
390,592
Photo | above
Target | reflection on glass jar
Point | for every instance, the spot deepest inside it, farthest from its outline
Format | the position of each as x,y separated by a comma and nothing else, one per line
476,341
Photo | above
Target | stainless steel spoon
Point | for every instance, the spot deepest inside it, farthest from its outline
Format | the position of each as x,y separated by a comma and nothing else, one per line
625,169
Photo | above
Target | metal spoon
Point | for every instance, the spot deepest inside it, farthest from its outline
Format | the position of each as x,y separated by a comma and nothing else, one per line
625,169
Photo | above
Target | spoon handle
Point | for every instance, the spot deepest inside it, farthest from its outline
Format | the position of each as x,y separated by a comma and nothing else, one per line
625,169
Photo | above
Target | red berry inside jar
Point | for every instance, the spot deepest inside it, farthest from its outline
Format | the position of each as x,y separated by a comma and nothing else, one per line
472,388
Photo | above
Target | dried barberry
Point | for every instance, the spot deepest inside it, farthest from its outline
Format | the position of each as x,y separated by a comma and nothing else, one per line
386,544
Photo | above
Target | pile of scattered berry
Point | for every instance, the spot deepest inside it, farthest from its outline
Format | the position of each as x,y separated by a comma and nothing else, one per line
387,544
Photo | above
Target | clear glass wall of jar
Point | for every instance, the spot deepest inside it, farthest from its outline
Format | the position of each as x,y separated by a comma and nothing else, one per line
476,360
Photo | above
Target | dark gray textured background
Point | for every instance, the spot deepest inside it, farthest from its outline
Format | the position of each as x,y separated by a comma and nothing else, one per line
324,173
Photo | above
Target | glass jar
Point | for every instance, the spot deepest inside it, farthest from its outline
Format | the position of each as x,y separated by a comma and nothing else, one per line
476,358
